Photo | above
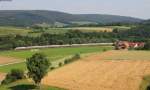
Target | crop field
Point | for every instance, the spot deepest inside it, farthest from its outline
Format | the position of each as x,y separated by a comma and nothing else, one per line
97,72
98,29
13,31
119,27
53,54
92,29
86,29
24,31
126,55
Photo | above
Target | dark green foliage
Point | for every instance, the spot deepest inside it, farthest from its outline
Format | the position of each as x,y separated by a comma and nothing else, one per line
72,59
37,66
66,61
104,50
60,64
71,37
147,46
52,68
148,88
115,30
76,56
14,75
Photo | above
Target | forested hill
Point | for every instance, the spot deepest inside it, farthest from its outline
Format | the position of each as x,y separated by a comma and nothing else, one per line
146,22
31,17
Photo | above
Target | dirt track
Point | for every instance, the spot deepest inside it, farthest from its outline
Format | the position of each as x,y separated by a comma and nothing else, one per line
5,60
94,73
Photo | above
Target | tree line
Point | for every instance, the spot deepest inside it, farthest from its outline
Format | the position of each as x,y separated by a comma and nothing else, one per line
140,33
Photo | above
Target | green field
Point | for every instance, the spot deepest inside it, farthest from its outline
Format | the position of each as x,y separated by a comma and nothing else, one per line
119,27
25,85
53,54
24,31
99,29
13,31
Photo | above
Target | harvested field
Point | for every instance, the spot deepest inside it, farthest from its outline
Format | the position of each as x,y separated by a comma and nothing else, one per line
95,73
6,60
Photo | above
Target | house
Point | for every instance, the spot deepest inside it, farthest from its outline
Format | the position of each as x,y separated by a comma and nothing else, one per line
119,45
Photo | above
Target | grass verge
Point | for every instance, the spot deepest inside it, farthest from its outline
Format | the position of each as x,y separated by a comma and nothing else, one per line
145,83
26,85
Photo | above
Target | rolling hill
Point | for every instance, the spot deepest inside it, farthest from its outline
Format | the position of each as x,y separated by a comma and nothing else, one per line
31,17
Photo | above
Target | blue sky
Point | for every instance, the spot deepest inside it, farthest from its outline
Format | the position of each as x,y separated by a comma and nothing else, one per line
134,8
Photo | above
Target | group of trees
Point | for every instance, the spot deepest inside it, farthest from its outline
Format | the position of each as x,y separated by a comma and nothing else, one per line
100,24
71,37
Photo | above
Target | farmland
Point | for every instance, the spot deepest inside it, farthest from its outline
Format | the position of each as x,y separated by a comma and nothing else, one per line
126,55
104,74
111,70
99,29
86,29
13,31
6,30
53,54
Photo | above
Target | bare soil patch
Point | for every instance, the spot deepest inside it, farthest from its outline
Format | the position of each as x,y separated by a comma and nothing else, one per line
6,60
95,73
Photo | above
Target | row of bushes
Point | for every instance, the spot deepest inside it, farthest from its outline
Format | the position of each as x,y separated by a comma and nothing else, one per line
67,61
72,59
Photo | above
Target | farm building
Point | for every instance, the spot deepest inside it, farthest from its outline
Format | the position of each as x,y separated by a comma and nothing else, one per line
120,45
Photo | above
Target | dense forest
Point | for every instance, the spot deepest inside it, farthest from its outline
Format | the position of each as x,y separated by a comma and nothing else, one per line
141,33
26,18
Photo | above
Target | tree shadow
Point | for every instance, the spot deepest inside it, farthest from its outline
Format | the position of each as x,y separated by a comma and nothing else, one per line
23,87
148,88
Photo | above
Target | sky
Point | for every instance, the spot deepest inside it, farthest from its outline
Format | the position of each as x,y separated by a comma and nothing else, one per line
133,8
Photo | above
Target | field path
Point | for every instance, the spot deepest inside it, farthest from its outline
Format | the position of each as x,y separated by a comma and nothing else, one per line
94,73
6,60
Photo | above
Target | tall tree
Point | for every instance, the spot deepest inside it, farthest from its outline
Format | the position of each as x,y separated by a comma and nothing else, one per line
37,66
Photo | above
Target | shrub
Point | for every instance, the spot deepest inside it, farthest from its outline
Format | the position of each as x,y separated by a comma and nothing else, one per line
147,46
74,58
60,64
66,61
52,68
104,50
14,75
148,87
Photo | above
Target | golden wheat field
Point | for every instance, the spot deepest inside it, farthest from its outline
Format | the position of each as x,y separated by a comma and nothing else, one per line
97,72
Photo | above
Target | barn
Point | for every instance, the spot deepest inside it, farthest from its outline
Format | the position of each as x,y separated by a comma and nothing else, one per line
125,45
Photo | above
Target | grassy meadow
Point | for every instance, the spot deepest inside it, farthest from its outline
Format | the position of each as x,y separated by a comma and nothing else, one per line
53,54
